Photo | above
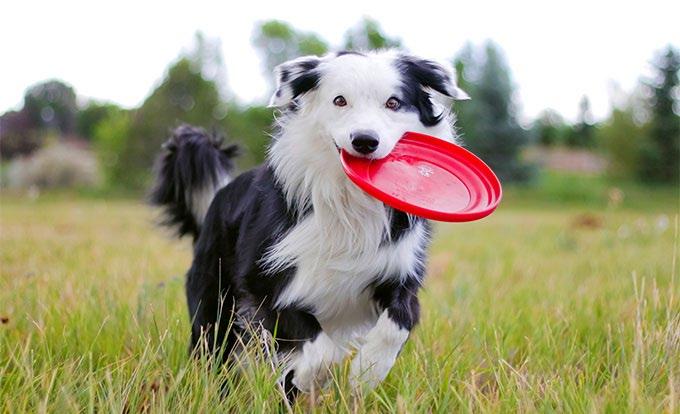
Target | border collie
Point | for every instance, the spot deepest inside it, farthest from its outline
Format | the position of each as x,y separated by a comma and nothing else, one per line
293,246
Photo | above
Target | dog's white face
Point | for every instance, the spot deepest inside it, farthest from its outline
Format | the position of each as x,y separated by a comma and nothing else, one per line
364,103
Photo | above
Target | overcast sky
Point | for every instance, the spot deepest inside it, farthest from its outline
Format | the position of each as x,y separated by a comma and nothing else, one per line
119,50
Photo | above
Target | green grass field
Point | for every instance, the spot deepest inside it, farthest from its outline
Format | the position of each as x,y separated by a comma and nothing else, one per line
552,307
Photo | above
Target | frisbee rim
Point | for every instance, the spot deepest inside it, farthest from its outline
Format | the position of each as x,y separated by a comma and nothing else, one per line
486,176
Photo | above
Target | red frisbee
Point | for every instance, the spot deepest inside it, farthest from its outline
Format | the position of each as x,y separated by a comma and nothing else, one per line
428,177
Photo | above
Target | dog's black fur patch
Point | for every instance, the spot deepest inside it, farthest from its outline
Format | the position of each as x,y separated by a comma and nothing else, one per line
191,159
305,83
418,74
305,80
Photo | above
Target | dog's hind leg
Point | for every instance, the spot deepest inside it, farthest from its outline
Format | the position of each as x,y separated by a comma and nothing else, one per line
211,313
209,291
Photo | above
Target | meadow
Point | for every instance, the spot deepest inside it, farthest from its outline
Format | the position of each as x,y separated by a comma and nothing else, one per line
558,302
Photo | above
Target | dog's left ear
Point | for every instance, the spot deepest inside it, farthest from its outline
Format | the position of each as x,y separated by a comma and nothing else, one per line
438,77
294,78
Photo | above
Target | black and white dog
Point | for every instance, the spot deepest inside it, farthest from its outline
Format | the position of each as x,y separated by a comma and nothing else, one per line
295,247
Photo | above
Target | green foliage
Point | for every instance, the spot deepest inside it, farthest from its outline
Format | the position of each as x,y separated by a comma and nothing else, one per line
583,133
551,188
206,58
312,44
251,128
660,157
110,137
91,115
191,92
184,96
277,42
368,35
558,190
642,136
622,139
128,141
52,105
194,91
488,122
551,129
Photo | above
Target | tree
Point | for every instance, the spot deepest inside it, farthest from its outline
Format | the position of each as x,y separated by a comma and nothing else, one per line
550,128
368,35
660,160
110,137
488,122
52,105
206,58
250,127
278,42
17,135
49,110
183,96
583,134
91,115
622,138
192,91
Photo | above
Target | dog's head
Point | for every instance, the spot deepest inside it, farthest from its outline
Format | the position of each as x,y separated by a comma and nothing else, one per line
363,103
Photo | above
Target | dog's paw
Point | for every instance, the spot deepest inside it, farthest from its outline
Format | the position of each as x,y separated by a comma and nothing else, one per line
370,367
312,365
311,377
375,358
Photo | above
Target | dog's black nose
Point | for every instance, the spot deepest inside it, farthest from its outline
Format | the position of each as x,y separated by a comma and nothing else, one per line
364,142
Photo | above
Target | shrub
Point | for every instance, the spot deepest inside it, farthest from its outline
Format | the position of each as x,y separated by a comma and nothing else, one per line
110,137
59,165
622,139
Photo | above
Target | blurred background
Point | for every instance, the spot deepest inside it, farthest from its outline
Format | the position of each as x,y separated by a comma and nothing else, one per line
582,105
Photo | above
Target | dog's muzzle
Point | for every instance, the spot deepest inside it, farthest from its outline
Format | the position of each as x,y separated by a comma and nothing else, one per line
364,142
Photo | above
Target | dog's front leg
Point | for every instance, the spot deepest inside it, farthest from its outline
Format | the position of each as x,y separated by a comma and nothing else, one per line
310,350
312,364
383,342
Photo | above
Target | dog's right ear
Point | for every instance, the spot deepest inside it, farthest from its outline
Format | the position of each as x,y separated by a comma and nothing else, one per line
439,77
294,78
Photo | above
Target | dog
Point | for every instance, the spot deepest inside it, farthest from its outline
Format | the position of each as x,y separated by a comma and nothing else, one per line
293,246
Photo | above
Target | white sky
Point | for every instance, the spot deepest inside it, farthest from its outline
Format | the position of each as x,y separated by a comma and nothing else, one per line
119,50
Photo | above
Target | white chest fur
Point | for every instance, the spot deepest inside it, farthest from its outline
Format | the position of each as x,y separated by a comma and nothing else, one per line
337,250
332,278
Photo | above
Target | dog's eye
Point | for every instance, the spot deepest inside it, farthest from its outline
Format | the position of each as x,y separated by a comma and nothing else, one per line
339,101
392,103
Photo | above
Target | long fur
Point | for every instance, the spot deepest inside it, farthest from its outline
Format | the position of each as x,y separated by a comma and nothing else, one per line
293,246
189,171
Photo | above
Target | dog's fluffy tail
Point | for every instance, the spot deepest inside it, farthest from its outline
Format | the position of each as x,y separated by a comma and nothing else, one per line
192,167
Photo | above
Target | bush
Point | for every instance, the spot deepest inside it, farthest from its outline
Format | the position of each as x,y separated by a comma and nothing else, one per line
622,139
56,166
251,128
109,138
489,122
17,136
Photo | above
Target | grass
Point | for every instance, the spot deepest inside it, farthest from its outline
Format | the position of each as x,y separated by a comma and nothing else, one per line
569,306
